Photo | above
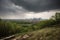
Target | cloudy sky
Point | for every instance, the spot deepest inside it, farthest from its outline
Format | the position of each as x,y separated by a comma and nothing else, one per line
22,9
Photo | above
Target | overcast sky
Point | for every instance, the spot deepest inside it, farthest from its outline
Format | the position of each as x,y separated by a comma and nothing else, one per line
22,9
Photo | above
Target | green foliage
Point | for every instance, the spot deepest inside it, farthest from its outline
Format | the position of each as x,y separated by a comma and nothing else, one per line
8,28
51,33
13,27
50,22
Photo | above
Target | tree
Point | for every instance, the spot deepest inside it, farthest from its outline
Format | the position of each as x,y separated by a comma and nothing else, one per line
0,19
57,16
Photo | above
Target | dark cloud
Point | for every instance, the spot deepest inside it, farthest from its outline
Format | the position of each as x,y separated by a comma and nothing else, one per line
38,5
17,7
7,7
4,5
30,5
22,8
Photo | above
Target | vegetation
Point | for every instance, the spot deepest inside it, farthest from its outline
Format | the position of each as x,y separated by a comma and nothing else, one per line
50,33
13,27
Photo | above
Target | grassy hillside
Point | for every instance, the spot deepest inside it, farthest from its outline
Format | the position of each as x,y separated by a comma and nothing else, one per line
51,33
46,34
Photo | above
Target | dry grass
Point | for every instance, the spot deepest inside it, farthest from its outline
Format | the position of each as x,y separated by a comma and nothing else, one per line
46,34
51,33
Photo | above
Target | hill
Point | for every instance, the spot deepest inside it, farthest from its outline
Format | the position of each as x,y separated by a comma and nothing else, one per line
49,33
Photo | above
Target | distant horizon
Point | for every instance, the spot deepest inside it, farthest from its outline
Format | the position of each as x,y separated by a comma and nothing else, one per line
31,15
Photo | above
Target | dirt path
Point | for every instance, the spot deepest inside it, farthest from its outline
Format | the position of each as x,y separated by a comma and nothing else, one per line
22,37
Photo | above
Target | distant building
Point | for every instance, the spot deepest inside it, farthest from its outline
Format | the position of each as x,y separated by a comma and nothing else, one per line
35,20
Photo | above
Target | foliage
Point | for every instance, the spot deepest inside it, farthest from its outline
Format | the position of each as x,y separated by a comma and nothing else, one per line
50,33
13,27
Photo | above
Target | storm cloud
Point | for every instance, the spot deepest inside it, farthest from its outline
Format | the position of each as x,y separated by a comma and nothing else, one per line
38,5
5,6
8,8
28,5
23,8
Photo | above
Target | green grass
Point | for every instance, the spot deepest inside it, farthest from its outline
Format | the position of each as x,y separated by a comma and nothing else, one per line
51,33
46,34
